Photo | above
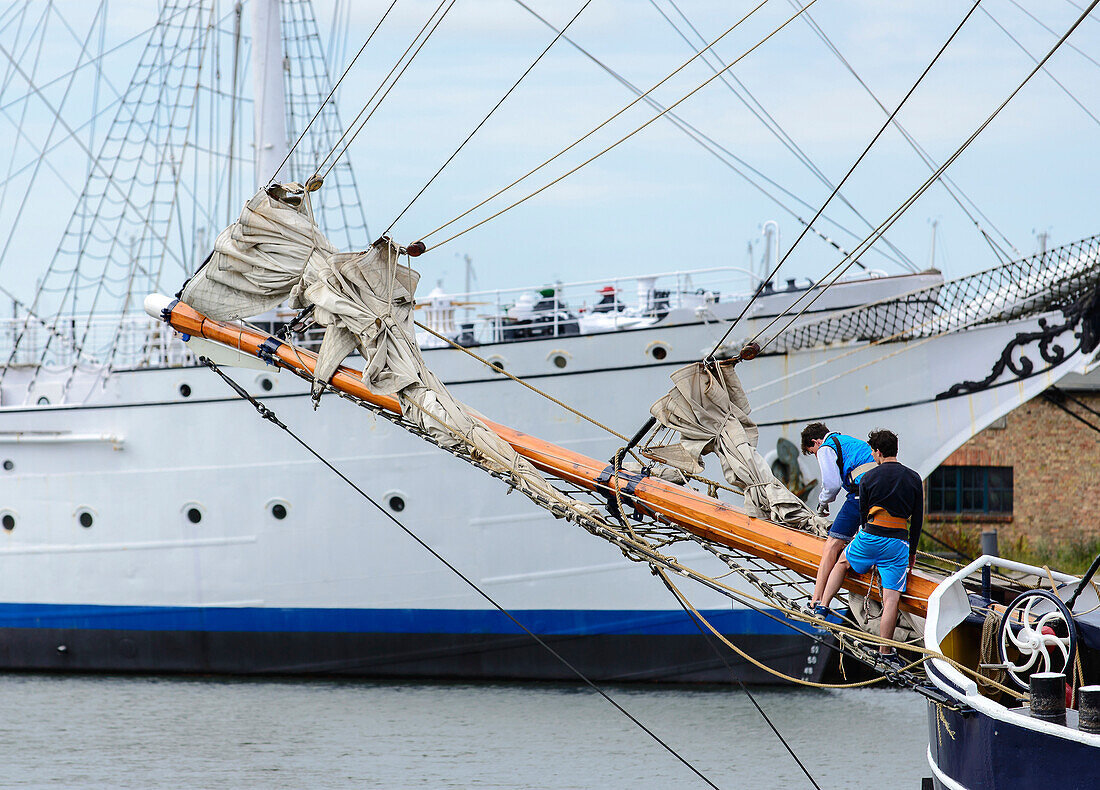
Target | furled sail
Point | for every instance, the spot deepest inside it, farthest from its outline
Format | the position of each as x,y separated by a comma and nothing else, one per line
275,253
708,407
258,261
365,300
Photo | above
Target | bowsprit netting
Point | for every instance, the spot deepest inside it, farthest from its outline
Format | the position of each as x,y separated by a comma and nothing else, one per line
1052,280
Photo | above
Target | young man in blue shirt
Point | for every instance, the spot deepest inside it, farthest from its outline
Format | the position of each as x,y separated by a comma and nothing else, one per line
891,501
843,461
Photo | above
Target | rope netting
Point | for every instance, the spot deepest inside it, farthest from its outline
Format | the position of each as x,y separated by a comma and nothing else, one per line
1052,280
650,538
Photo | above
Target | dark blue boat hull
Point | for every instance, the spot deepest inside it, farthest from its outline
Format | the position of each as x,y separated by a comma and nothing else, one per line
976,751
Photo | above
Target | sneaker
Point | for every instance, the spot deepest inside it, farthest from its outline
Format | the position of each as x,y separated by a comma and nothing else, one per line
822,613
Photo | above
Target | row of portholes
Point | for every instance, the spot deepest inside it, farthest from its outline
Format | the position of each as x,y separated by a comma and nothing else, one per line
560,359
263,382
85,517
193,512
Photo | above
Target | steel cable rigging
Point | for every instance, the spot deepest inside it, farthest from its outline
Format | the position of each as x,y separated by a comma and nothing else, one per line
897,213
487,116
852,257
615,144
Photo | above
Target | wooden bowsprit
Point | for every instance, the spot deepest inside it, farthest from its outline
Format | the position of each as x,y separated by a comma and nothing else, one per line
704,517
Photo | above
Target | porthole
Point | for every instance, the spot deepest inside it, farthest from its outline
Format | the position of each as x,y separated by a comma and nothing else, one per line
8,464
499,361
185,390
85,517
266,384
657,351
7,520
396,502
192,513
559,359
278,511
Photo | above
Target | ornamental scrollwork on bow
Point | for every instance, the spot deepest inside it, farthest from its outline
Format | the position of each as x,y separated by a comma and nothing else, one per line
1083,314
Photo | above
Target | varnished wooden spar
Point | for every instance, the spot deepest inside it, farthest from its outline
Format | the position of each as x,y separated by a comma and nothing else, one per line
701,515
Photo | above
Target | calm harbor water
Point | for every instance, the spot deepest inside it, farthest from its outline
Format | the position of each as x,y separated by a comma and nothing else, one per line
100,732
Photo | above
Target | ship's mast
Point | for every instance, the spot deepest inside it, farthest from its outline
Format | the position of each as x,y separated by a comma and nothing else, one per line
268,91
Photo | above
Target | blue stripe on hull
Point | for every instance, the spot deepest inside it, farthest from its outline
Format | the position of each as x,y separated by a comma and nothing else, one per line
401,621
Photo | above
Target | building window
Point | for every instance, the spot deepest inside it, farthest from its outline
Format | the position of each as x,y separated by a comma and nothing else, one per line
970,489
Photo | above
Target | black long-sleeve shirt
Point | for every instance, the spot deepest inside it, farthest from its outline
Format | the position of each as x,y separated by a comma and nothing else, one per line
898,490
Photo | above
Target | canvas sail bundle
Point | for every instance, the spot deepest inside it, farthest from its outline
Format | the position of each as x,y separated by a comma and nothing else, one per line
365,301
258,260
709,409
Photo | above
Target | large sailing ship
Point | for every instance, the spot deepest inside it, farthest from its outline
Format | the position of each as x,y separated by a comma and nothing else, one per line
150,524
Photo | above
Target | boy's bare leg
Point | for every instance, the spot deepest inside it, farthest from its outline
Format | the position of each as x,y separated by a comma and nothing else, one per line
890,601
829,555
836,578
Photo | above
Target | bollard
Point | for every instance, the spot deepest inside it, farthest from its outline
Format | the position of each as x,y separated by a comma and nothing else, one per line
1048,696
989,548
1088,707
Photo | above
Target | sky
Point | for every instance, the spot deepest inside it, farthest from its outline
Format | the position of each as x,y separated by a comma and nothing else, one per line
657,201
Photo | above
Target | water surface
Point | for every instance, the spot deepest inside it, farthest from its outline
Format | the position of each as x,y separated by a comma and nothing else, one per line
140,732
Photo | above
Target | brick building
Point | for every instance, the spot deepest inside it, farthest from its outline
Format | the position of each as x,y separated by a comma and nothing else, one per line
1034,475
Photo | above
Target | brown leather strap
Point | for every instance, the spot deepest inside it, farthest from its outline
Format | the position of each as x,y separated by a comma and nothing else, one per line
881,518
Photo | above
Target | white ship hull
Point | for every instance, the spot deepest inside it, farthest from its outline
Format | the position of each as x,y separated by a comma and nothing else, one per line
334,586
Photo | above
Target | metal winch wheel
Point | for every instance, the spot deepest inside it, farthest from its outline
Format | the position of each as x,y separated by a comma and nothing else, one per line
1039,650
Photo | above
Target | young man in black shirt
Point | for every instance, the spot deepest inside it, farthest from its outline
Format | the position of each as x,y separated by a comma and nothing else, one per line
891,501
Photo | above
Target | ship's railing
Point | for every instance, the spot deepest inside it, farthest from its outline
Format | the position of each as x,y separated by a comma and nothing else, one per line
1051,280
599,305
133,341
478,317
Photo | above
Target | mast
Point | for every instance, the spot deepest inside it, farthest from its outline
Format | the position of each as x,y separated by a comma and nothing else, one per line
268,92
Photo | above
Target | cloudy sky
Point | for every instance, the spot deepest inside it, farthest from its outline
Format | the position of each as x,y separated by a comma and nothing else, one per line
658,201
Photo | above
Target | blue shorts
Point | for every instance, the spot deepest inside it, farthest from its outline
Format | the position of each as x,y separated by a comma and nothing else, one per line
846,524
889,555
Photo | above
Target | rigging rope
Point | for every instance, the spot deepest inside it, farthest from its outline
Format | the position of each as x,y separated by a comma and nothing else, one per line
1052,399
866,150
487,116
770,123
330,94
741,683
620,140
897,213
317,170
713,147
1053,79
949,185
271,417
